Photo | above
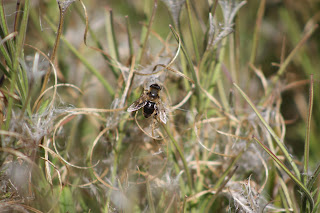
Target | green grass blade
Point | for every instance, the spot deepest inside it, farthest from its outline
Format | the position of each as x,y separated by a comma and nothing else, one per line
185,165
94,38
270,130
112,41
3,49
307,139
193,35
91,68
129,37
317,205
223,184
313,178
189,61
256,31
5,32
286,170
4,70
145,35
18,52
5,53
221,179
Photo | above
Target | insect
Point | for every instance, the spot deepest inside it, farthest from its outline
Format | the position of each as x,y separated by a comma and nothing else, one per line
151,103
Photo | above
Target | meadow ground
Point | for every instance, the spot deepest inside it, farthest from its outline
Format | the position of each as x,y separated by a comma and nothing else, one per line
230,90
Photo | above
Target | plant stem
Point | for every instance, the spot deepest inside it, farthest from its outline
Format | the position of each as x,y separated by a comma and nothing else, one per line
194,39
18,52
185,165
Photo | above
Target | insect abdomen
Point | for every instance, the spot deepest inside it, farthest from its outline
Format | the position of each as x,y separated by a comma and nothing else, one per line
148,109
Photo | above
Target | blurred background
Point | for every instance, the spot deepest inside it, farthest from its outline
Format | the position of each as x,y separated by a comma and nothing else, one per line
263,35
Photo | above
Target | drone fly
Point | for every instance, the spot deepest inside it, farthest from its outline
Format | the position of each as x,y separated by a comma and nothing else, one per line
151,103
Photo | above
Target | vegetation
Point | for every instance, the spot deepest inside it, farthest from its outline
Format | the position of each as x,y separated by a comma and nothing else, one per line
235,127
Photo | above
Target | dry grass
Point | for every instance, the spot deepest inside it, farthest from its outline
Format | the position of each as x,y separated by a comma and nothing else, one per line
239,133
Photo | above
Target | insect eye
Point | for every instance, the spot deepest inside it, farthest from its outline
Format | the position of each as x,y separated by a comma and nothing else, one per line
155,86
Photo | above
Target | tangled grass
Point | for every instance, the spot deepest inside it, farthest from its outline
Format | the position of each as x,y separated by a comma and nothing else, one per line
227,129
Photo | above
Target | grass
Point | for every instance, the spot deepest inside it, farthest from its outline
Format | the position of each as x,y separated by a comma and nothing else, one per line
239,88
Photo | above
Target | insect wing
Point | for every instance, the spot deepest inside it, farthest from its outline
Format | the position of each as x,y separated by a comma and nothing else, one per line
138,104
162,113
